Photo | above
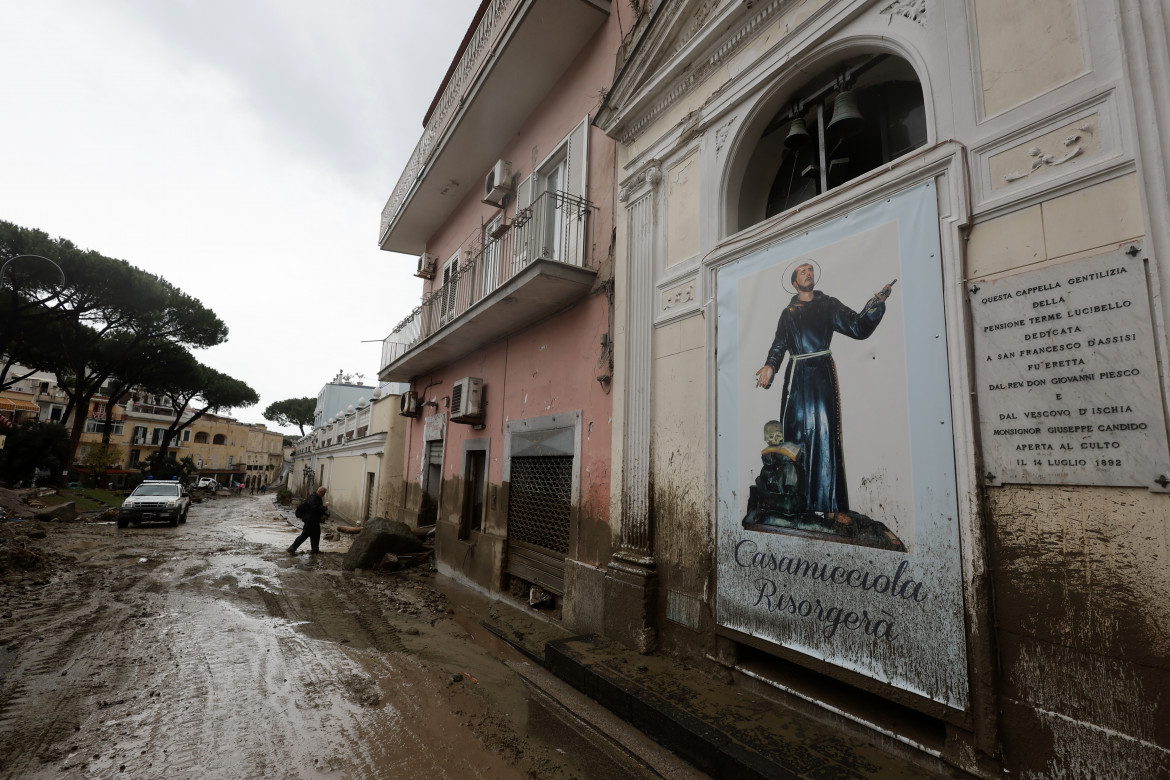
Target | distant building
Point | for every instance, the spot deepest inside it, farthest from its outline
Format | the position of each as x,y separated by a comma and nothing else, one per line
357,454
337,396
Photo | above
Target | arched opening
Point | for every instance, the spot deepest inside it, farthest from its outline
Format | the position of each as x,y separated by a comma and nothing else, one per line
852,117
201,437
219,439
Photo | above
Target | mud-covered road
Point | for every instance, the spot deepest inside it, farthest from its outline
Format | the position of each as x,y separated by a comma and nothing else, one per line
206,651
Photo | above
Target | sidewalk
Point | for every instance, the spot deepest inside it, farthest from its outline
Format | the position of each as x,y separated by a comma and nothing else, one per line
637,716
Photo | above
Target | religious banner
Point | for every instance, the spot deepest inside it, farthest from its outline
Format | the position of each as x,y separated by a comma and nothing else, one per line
837,523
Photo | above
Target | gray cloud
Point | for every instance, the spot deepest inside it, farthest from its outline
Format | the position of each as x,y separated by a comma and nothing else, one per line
345,83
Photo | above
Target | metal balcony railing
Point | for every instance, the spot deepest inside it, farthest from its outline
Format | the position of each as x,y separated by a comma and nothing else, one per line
477,51
555,227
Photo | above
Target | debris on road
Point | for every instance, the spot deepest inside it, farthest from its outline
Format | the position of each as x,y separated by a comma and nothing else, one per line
378,537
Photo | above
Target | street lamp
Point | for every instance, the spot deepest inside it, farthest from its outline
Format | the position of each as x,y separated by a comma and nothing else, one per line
14,258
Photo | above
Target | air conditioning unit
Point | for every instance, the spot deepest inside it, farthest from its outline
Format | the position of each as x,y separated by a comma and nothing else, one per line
467,400
408,404
498,185
426,266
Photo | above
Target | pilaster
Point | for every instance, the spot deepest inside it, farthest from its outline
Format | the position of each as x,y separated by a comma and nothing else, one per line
631,580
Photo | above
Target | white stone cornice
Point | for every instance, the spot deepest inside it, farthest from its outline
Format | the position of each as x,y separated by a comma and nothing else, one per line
697,71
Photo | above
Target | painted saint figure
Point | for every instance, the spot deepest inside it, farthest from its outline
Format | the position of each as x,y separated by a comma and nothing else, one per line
810,407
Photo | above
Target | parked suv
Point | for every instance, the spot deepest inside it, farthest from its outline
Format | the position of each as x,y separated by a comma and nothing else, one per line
155,500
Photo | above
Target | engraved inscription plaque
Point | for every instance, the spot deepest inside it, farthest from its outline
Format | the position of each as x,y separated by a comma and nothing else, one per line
1068,377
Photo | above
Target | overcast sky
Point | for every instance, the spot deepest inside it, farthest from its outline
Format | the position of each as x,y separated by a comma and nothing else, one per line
241,149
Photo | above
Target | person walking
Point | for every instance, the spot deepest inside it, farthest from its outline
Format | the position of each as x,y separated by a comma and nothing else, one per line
317,508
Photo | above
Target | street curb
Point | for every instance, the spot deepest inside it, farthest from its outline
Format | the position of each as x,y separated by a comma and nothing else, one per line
592,736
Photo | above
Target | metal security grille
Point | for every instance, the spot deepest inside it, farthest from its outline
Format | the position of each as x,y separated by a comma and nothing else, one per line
540,502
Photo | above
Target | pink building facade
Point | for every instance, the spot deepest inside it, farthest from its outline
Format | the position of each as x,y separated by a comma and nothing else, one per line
508,206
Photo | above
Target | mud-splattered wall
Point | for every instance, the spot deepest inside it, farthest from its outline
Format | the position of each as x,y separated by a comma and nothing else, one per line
682,547
1082,592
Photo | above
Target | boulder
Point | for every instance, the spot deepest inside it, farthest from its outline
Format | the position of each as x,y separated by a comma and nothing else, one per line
378,537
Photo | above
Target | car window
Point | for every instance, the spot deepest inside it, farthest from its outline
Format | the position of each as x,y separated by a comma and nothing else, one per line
156,490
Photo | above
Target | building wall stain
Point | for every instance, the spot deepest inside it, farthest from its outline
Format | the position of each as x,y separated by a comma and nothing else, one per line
683,552
1082,599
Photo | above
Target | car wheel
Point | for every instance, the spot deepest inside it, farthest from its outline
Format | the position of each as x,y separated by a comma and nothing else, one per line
183,517
123,523
175,521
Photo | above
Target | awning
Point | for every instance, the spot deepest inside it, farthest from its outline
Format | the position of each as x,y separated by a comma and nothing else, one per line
17,405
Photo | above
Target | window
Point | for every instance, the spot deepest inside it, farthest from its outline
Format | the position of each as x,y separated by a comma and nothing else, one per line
231,460
201,437
551,208
490,273
187,435
99,426
219,439
134,456
551,181
852,118
449,288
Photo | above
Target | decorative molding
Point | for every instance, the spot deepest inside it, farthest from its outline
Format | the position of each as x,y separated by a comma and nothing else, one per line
678,296
1013,154
699,71
1051,160
694,24
721,137
914,10
649,176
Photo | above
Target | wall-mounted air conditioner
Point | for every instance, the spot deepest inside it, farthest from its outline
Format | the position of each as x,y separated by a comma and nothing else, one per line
408,404
467,400
426,266
498,184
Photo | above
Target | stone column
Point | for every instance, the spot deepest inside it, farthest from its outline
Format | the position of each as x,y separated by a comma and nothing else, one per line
631,580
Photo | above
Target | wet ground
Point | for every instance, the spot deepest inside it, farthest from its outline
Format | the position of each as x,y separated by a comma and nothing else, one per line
207,651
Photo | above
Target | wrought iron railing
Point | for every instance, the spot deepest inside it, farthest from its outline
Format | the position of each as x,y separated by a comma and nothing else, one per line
474,55
555,227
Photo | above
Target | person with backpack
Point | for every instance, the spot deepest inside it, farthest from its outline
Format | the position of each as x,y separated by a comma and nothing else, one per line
311,510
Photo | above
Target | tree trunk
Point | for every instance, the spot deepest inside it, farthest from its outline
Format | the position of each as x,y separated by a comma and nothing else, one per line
75,432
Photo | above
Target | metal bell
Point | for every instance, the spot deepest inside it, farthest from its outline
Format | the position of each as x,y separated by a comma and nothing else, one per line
847,118
797,134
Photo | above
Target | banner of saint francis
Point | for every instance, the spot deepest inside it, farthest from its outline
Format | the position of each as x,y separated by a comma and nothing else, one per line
837,525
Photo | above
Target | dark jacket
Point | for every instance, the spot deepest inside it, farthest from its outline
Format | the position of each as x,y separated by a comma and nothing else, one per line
316,509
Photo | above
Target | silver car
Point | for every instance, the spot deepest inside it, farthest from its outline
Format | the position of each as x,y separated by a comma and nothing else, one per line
156,501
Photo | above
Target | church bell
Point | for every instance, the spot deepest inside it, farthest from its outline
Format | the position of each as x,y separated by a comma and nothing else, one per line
847,118
797,134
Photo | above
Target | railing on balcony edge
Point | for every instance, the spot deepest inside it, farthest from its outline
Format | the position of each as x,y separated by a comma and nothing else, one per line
555,227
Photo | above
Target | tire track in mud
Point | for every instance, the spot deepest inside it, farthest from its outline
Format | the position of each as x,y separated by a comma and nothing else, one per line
205,653
45,698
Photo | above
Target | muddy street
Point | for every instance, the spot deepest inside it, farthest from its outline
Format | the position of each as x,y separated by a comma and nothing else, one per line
207,651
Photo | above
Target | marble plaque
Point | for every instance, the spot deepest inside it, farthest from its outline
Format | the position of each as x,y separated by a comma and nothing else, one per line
1067,375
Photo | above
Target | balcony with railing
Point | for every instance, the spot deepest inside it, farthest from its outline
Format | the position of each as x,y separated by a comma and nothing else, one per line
507,64
534,266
